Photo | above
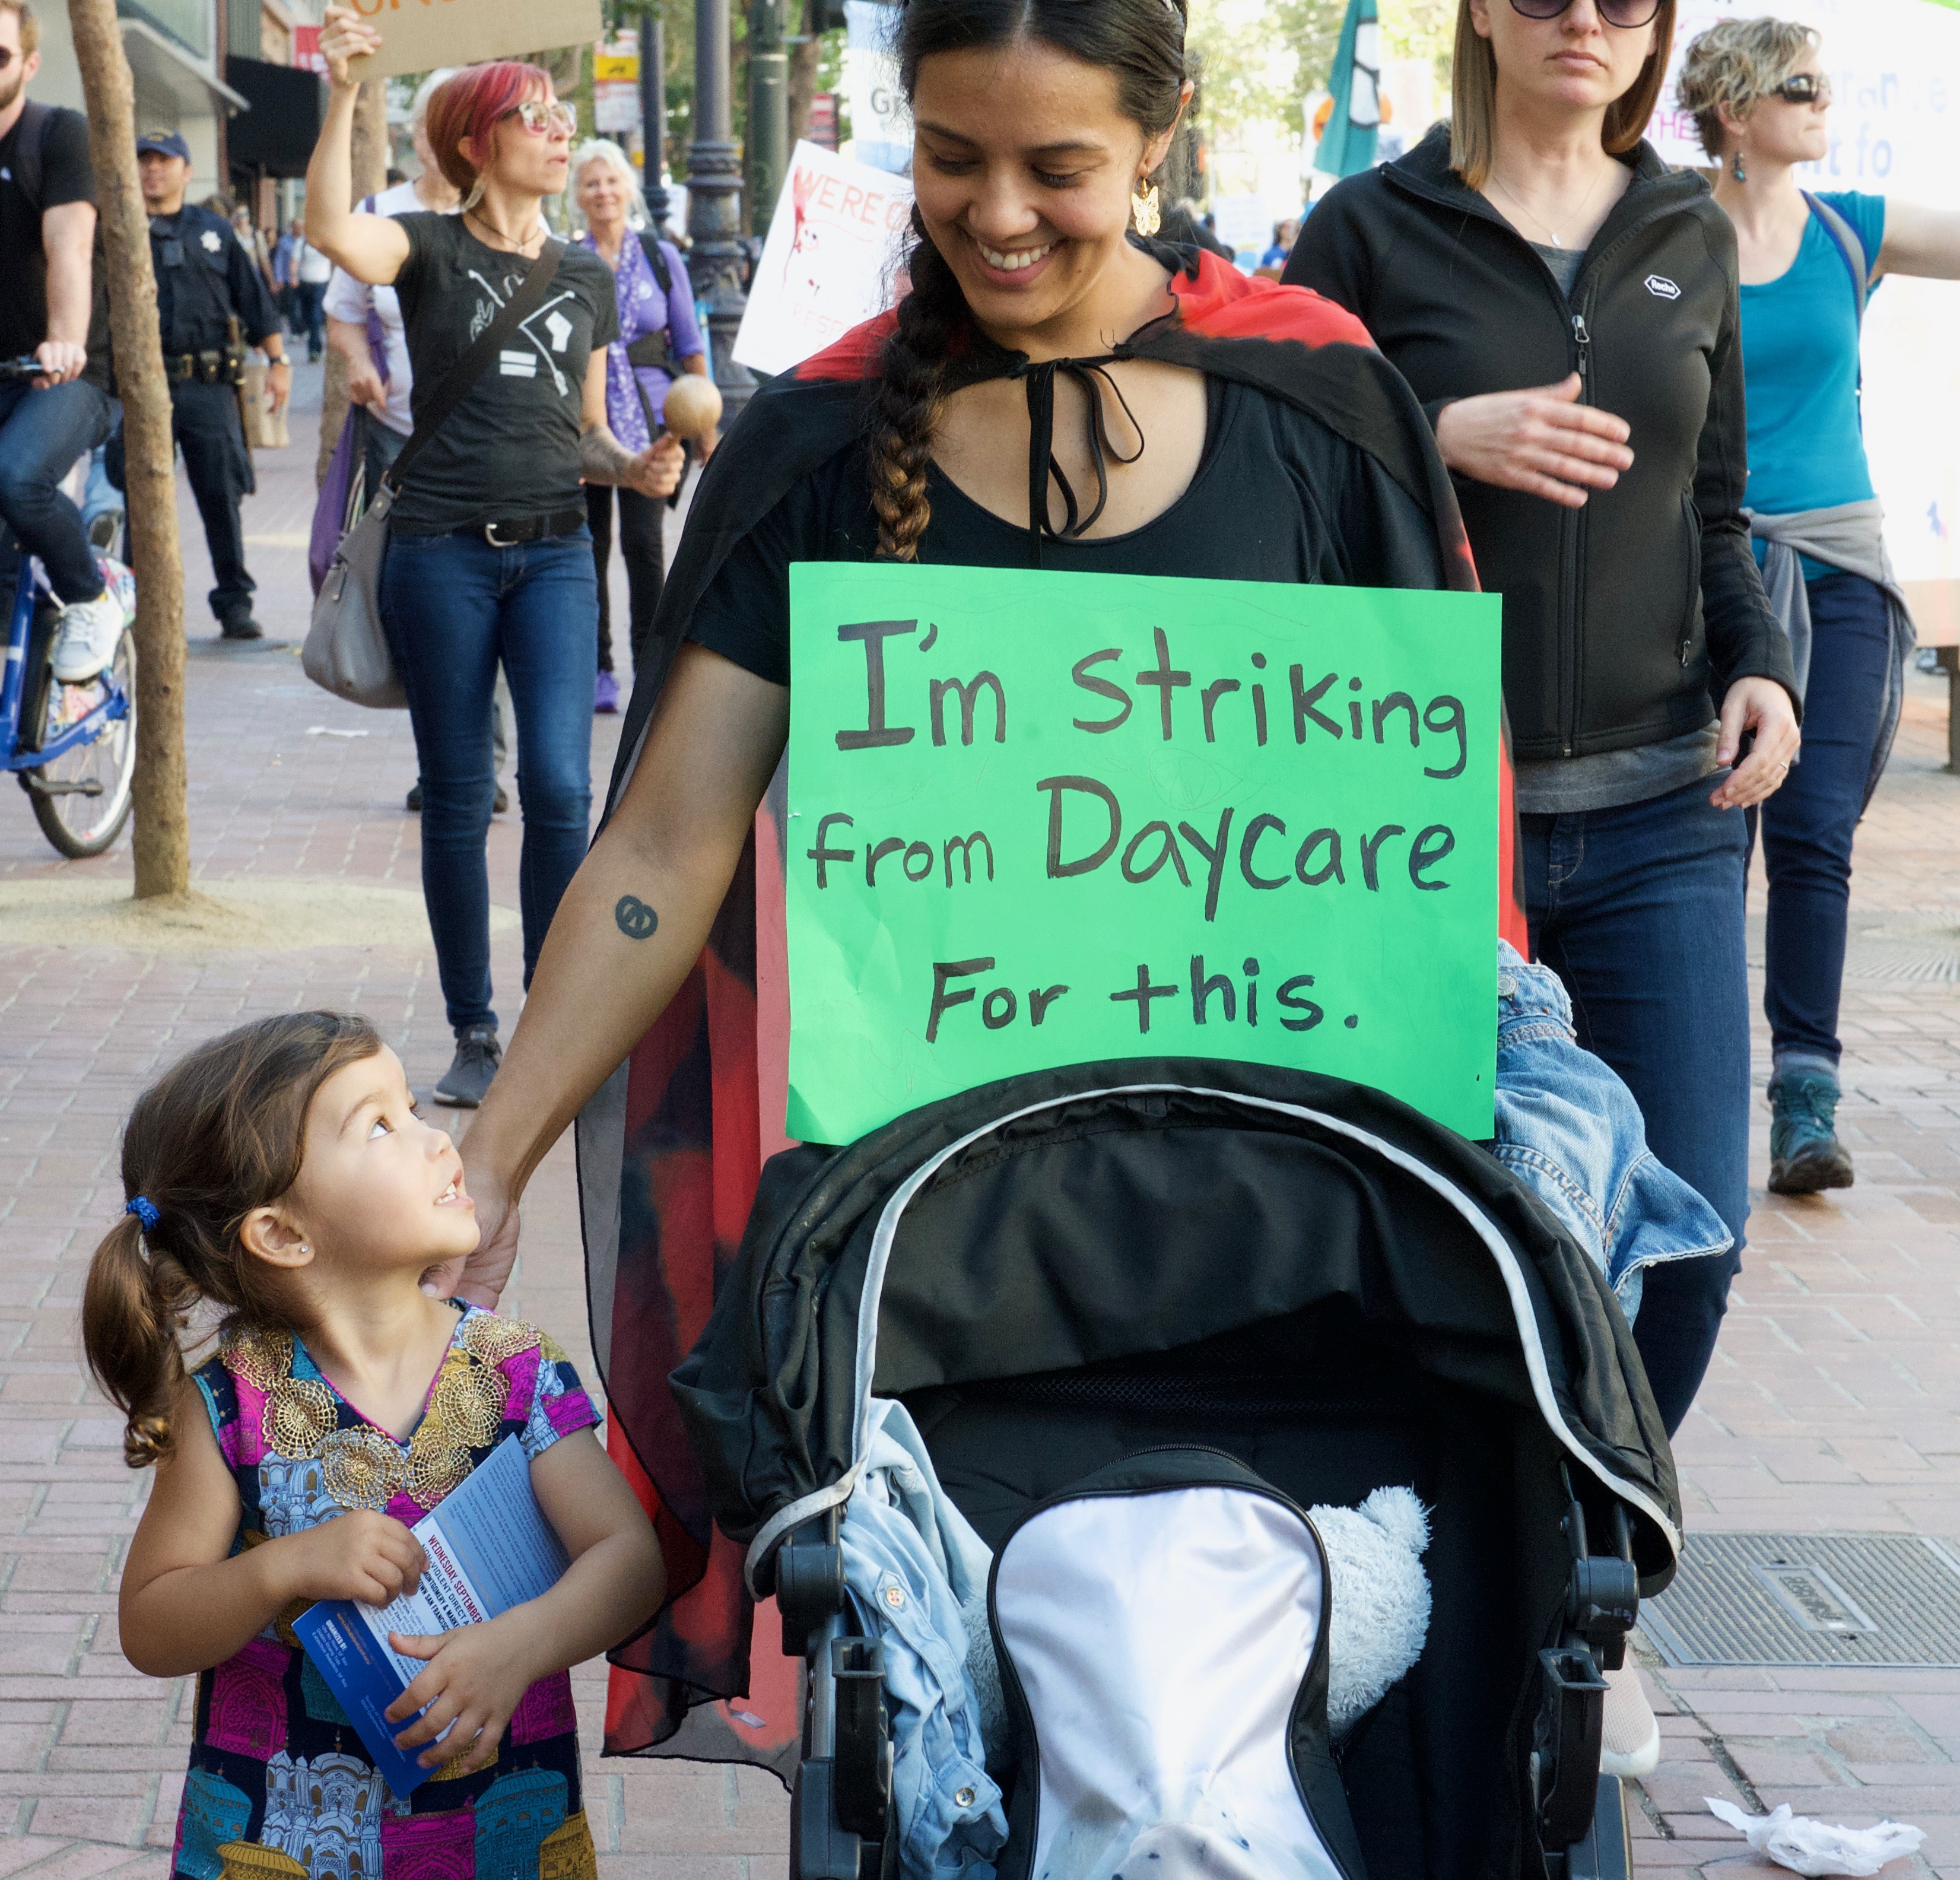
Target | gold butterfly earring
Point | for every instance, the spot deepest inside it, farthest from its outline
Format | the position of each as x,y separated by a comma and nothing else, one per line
1145,209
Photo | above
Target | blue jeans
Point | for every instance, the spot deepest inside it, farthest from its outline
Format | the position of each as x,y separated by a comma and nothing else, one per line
41,435
1807,825
1639,910
454,606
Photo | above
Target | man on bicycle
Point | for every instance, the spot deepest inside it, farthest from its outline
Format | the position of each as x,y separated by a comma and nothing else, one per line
48,309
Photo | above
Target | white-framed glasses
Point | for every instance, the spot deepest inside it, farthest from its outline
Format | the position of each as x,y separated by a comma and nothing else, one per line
540,119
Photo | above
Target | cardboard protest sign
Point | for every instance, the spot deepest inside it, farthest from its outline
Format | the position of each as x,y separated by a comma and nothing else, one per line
419,35
1044,819
830,260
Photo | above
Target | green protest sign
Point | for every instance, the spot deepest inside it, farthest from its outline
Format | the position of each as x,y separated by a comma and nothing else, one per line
1041,819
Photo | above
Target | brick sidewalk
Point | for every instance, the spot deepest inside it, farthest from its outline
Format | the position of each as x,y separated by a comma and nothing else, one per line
1833,1405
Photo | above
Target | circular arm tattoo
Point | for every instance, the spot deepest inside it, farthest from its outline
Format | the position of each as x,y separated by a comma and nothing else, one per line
634,918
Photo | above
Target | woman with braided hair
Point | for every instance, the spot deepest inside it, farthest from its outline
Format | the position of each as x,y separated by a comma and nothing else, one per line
1056,390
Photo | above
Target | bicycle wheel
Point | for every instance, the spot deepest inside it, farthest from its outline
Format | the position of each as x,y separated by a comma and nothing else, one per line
81,799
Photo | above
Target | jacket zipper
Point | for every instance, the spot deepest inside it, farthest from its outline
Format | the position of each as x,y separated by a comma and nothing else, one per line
1582,341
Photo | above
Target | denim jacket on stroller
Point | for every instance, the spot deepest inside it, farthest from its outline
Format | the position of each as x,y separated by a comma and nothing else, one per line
1158,1309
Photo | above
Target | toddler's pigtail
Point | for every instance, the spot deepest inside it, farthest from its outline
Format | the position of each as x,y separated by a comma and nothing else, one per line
220,1133
132,1308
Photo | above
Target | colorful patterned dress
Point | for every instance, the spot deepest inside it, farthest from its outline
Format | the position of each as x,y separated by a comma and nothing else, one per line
279,1786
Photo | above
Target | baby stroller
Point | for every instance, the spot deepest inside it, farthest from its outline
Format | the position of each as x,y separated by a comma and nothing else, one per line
1092,1286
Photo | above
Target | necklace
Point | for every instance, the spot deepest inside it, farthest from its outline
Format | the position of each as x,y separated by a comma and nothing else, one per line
1557,240
516,245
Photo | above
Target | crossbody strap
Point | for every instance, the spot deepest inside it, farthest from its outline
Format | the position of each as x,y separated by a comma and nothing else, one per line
529,298
1850,249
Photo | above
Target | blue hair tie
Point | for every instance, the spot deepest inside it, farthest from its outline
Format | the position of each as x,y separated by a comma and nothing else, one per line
145,1211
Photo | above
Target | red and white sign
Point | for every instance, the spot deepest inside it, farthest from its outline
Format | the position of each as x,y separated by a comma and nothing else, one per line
831,260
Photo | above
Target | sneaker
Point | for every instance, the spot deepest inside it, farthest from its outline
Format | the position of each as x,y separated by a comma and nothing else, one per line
478,1054
238,624
1805,1154
498,803
1630,1739
89,631
606,695
104,528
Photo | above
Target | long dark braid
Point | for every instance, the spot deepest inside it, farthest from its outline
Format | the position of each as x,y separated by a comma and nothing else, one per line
1142,41
911,387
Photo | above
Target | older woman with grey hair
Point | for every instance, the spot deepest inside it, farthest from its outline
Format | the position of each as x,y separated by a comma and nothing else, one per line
1758,94
658,336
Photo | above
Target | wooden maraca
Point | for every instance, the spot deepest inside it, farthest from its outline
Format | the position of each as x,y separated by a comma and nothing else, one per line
693,407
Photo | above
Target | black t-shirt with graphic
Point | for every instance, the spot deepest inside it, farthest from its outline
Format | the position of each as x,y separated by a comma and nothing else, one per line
66,177
510,451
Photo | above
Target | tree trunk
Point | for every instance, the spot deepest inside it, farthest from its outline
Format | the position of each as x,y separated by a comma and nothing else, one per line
802,78
162,839
370,176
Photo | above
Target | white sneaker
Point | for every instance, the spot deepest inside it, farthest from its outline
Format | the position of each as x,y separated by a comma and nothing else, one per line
89,631
1629,1742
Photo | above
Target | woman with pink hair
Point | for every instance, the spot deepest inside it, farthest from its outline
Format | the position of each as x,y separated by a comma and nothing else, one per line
489,555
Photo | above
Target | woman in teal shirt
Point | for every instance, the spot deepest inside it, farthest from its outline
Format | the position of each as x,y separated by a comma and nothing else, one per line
1759,97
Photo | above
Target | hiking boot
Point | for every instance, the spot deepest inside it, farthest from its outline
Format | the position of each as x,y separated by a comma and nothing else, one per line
606,695
1805,1154
1629,1735
498,803
478,1054
89,630
236,623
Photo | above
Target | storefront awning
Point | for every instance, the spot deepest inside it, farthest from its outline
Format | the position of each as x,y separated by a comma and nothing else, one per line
278,132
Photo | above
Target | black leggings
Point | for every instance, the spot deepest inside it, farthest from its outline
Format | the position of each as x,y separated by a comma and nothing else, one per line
646,562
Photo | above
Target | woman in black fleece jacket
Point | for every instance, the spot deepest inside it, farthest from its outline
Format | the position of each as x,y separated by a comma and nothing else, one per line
1565,306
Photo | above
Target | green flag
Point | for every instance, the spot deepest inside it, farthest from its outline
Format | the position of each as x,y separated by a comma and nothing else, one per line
1347,144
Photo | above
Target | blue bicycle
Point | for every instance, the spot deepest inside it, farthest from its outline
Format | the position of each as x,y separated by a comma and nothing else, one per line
73,747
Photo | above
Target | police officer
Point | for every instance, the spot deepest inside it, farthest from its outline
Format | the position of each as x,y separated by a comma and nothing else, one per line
211,298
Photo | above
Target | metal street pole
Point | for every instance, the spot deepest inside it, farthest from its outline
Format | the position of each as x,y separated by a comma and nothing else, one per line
768,110
717,261
653,115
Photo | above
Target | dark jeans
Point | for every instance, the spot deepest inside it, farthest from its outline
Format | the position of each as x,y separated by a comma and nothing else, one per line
41,435
1807,825
1639,910
640,547
454,606
309,303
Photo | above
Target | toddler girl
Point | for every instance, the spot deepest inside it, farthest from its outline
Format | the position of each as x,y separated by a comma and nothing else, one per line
282,1174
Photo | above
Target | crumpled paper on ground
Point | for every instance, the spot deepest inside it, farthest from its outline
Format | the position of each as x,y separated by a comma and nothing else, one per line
1806,1847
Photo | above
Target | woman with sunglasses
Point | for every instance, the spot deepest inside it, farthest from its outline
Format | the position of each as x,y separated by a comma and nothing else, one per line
1759,97
489,554
1565,306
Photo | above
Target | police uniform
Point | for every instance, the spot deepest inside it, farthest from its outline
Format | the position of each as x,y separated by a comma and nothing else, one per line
205,278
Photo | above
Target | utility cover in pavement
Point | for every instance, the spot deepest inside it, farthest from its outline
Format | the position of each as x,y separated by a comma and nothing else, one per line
1890,1600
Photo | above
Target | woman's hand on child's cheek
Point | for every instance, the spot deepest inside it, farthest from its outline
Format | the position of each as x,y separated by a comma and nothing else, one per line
360,1555
476,1676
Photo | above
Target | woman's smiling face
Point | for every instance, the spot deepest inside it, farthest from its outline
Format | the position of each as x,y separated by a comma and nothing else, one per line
1024,163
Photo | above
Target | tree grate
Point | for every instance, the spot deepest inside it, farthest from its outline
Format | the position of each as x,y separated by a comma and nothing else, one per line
1888,1600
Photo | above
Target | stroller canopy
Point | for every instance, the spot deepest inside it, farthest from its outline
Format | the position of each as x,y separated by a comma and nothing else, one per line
1072,1221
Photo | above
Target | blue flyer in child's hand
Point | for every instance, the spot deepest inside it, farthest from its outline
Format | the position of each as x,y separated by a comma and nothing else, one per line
489,1548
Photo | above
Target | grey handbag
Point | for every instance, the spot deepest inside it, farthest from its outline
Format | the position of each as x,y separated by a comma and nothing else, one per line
346,649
